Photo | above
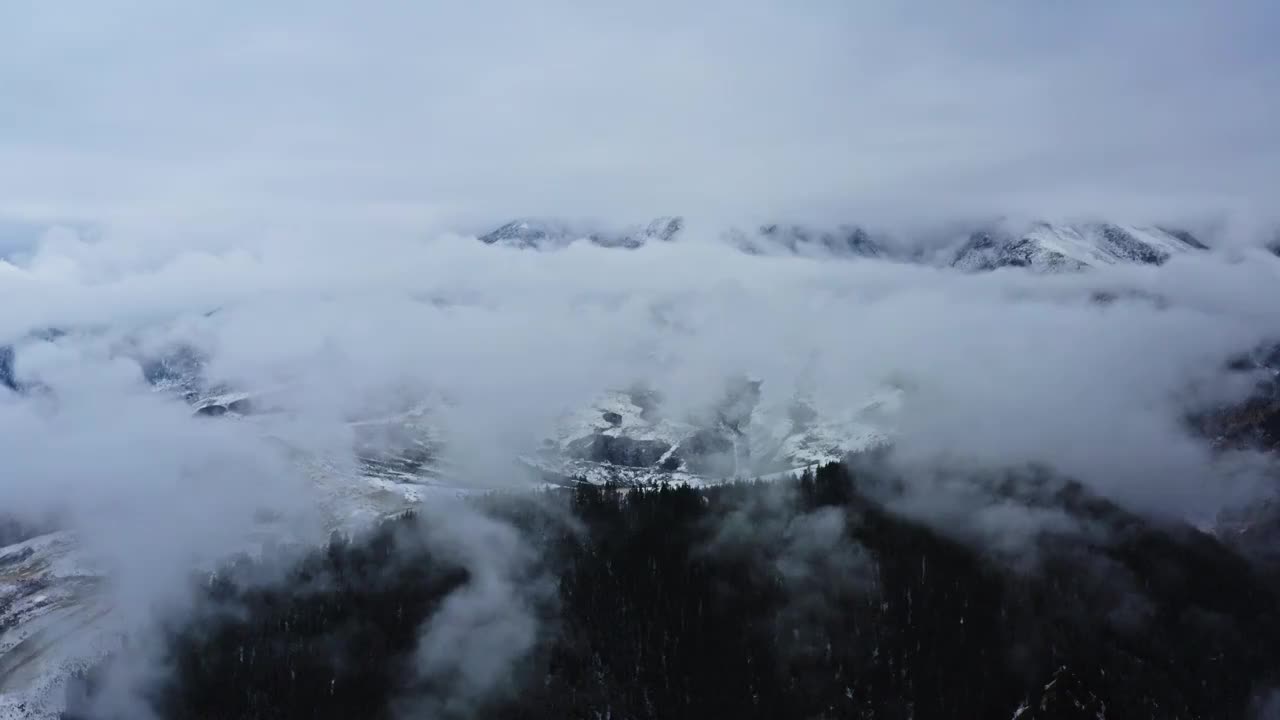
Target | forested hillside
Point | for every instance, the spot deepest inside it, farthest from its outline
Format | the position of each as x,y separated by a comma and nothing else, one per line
801,599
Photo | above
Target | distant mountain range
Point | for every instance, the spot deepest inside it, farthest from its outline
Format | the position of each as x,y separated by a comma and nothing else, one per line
1040,246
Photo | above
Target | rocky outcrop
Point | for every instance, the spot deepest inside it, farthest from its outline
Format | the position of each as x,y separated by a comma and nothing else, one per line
532,234
621,450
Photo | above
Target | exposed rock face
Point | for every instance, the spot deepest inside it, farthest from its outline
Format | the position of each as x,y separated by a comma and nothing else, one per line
619,450
213,410
532,234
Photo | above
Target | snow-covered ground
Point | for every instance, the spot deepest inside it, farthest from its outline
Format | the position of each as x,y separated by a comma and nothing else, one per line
53,620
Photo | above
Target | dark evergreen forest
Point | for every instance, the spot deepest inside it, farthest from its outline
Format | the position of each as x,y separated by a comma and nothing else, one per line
799,599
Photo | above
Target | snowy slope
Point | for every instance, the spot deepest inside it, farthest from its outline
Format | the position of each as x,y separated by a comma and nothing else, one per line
1048,247
52,622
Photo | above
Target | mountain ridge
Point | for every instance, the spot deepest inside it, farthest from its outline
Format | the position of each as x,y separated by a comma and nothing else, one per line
1040,245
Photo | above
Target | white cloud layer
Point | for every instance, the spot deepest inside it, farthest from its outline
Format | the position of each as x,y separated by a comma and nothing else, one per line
1003,368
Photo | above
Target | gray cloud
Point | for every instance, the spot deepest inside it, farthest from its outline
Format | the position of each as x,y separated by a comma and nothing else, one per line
468,648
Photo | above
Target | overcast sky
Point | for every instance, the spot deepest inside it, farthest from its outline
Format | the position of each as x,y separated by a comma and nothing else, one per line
400,116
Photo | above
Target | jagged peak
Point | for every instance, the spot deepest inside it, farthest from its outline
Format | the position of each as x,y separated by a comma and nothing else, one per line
533,233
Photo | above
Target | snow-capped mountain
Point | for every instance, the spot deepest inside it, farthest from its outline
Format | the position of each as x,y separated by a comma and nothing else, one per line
1041,246
543,234
1047,248
627,439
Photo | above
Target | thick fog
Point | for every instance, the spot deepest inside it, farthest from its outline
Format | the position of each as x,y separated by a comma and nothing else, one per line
1006,367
